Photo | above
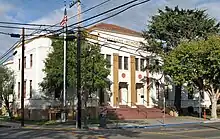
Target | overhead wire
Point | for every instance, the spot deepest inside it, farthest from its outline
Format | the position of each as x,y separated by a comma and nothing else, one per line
116,13
58,23
95,16
26,24
87,10
105,45
104,13
16,27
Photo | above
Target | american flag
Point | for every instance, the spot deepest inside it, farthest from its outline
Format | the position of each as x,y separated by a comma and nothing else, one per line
64,20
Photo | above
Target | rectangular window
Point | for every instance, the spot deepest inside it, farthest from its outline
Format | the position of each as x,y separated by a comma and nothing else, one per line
190,95
25,62
137,64
57,94
108,57
125,63
120,62
30,88
19,90
24,89
202,95
142,65
31,60
19,64
167,92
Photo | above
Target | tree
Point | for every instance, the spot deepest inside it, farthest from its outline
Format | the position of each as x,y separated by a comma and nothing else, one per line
7,81
93,71
169,28
197,63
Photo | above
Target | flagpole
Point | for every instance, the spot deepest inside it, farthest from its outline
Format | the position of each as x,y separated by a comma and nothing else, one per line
64,68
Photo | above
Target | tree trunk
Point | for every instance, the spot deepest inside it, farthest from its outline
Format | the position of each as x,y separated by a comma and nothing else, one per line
177,100
214,107
8,107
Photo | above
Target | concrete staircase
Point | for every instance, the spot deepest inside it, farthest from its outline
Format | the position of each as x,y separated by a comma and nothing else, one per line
125,112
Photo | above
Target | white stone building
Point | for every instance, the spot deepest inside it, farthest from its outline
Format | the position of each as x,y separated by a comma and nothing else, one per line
130,84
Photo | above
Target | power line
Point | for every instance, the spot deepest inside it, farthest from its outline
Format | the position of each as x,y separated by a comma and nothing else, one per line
12,48
15,27
95,16
112,35
117,13
46,25
100,15
103,45
87,10
26,24
115,40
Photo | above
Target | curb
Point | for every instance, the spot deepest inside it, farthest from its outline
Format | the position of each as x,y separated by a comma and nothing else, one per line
158,125
118,127
49,128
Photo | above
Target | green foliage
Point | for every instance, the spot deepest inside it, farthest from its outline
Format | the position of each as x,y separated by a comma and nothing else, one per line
170,27
7,81
90,55
196,62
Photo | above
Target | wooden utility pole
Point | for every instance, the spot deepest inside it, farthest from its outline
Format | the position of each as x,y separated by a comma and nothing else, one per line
22,79
79,104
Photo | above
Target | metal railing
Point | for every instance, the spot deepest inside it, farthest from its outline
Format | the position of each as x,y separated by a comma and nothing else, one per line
138,108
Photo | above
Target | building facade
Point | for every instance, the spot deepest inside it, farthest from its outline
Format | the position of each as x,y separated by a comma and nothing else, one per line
129,80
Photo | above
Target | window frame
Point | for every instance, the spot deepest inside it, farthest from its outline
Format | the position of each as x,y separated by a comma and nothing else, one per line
109,59
31,88
142,64
137,64
125,63
120,63
31,60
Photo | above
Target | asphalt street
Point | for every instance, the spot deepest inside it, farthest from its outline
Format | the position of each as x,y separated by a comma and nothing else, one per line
193,131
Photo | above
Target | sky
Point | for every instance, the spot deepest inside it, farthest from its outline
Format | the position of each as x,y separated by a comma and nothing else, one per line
51,12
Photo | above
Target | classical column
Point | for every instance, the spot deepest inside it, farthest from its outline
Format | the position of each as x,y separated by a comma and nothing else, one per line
115,79
133,82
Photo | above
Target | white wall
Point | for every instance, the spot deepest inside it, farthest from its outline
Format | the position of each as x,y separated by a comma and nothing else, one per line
124,49
39,49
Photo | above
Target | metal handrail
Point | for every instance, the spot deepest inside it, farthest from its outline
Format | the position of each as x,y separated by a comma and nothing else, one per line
139,109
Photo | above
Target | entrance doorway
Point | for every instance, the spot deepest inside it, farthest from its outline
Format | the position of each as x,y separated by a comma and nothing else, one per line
140,93
123,93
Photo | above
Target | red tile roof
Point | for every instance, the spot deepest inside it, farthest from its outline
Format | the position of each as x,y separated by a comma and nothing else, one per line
115,28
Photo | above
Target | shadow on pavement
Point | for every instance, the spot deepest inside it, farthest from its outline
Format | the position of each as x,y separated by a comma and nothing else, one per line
19,133
213,127
106,133
12,133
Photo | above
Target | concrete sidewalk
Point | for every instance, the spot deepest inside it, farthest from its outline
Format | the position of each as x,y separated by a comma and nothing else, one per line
146,123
